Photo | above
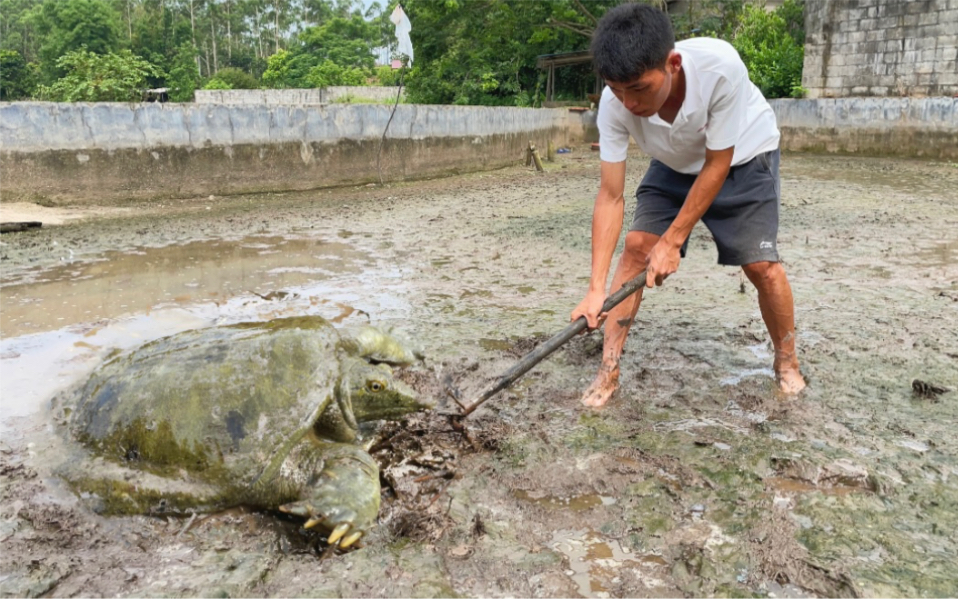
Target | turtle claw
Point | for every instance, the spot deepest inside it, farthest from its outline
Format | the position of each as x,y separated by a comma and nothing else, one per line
341,524
338,533
341,500
350,539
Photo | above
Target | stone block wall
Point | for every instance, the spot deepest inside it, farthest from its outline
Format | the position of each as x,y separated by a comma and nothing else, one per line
881,48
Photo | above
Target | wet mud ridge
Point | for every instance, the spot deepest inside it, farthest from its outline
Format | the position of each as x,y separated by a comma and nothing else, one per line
697,479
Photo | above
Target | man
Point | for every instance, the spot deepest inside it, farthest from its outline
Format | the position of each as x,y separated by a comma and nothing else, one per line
714,143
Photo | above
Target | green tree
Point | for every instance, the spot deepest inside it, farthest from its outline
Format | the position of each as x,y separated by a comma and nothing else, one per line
773,57
344,41
66,26
17,78
184,75
159,33
793,11
708,18
114,77
282,71
337,51
484,51
17,31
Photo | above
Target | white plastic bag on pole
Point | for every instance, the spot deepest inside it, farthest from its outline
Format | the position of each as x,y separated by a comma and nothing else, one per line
403,27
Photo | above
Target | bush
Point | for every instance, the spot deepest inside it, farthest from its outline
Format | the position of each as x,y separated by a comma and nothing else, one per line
215,83
119,77
386,76
769,50
329,73
234,78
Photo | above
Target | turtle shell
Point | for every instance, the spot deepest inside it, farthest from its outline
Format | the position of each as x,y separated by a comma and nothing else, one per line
228,400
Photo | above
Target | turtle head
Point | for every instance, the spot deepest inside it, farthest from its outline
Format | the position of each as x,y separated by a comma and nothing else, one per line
377,395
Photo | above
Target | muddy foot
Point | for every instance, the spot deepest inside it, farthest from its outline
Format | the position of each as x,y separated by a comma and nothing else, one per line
600,391
790,379
791,382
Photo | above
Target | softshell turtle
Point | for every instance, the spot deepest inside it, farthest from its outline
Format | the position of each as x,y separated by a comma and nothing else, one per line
262,414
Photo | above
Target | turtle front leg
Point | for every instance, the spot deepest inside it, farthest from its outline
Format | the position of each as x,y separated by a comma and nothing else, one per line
340,493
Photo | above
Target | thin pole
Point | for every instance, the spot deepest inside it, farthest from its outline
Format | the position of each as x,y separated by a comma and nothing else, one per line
382,141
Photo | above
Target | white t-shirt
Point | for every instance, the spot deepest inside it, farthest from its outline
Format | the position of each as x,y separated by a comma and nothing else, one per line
722,108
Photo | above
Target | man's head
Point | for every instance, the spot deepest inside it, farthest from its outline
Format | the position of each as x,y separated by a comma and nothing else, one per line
633,50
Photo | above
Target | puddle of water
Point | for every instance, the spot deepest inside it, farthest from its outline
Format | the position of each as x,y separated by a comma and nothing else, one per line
133,282
793,486
58,327
597,563
914,445
578,503
941,254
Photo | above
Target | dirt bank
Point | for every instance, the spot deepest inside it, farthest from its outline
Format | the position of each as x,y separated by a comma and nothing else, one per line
696,480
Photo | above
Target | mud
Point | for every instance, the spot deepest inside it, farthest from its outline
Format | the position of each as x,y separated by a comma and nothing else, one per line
697,479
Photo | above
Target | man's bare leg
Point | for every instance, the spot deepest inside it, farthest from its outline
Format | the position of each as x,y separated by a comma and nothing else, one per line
778,312
637,247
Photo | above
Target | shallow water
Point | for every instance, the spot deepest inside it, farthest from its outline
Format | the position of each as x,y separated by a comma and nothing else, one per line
596,564
211,271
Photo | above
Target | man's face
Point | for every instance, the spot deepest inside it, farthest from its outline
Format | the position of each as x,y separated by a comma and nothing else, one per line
645,96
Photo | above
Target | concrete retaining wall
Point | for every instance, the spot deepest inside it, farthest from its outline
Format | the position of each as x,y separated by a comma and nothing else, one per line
296,97
75,153
93,152
907,127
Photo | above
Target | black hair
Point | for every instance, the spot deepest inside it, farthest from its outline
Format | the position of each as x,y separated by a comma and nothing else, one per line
629,40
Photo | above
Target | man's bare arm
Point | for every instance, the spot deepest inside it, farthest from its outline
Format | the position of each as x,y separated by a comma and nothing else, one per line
606,227
607,222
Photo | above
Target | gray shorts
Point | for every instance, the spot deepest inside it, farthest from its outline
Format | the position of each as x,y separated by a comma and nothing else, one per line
743,218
